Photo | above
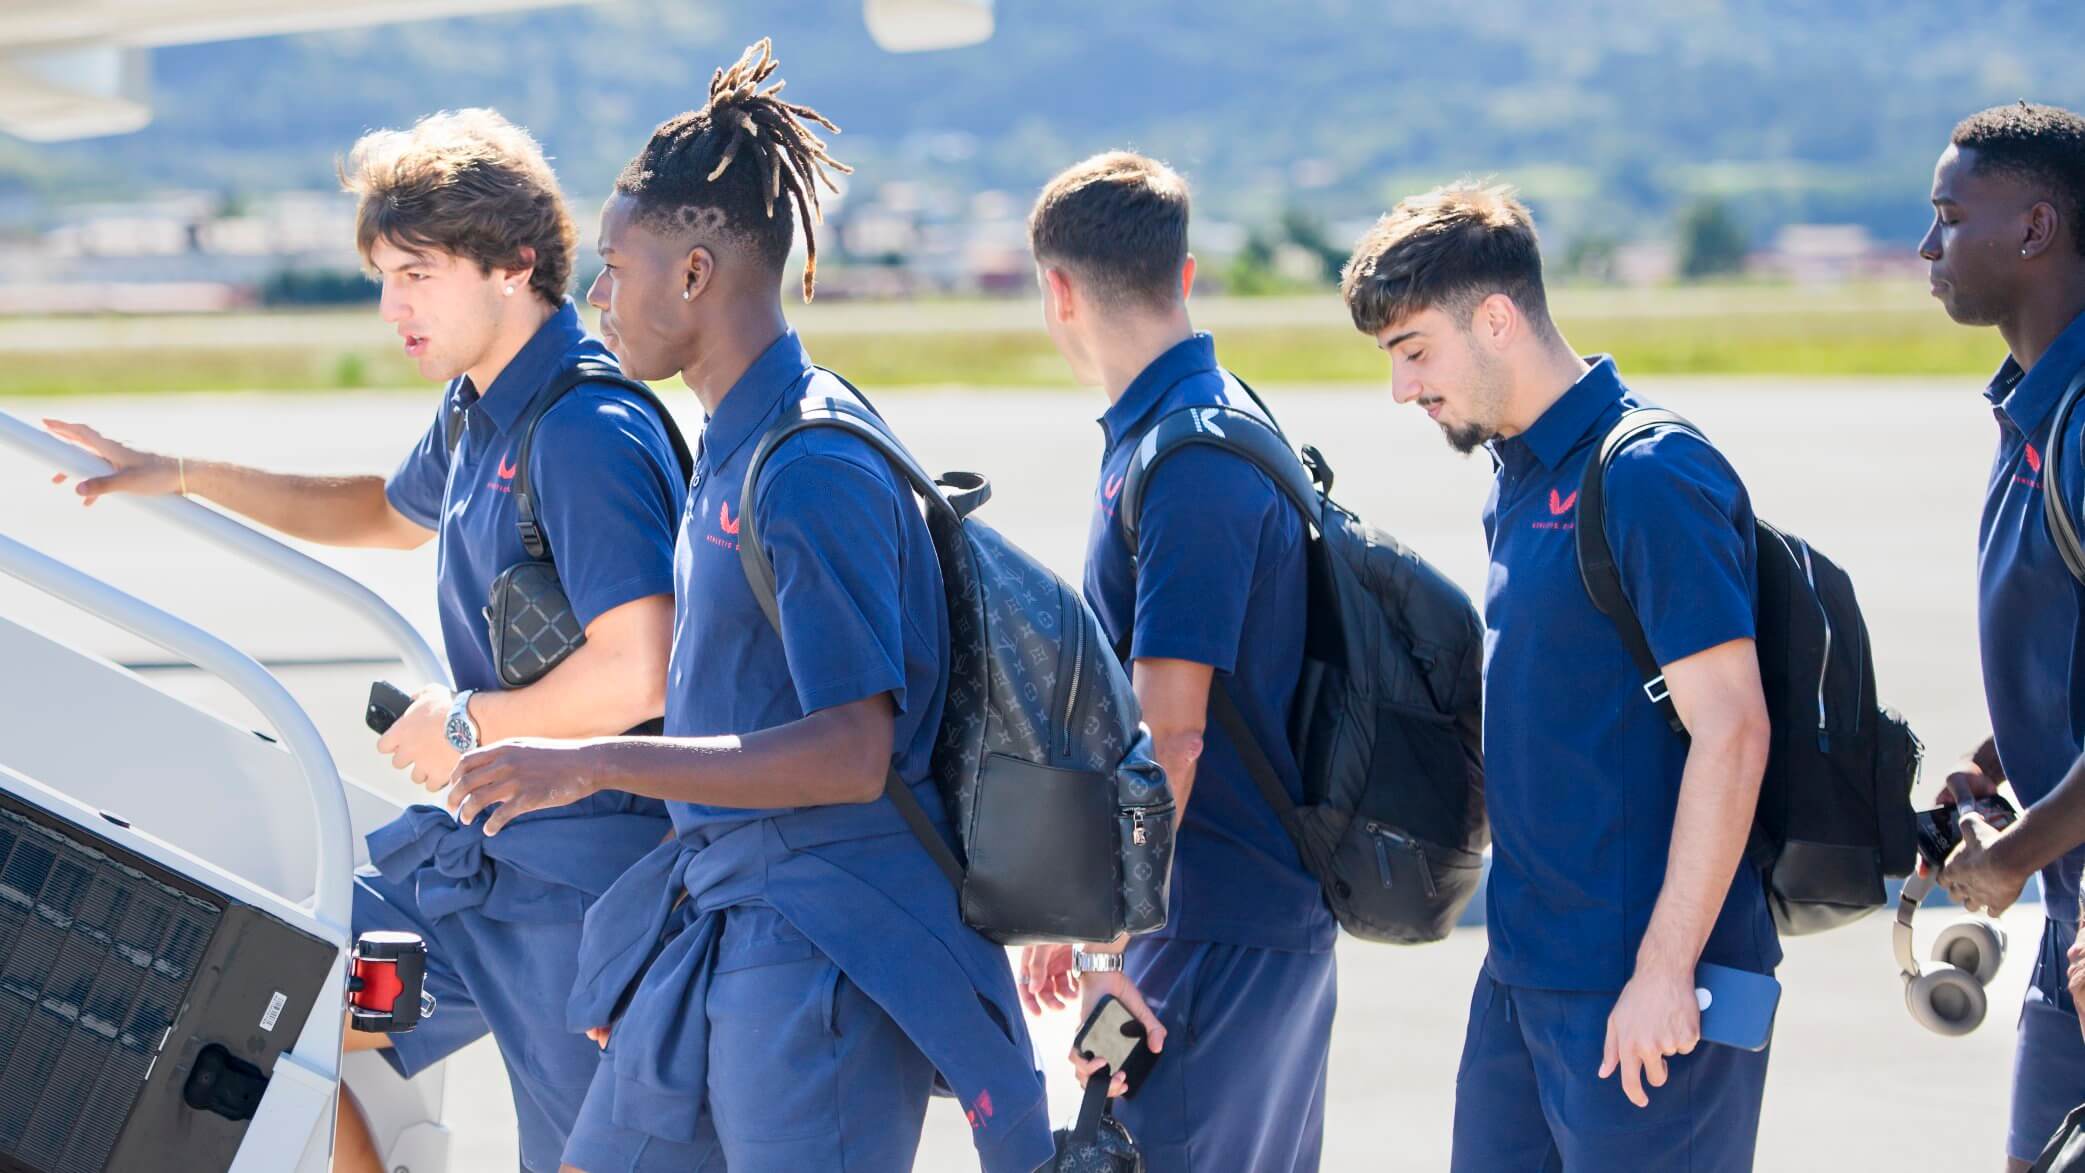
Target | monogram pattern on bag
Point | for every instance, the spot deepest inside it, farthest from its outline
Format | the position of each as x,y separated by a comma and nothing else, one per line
1111,1150
1145,879
1025,666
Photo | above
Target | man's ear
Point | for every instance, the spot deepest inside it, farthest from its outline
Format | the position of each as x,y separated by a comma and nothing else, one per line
518,276
1063,294
1187,277
698,272
1495,321
2042,222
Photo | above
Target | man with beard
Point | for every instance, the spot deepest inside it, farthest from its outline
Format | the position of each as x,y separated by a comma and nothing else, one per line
1617,862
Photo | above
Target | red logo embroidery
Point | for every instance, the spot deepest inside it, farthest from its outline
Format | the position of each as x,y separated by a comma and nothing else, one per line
1113,487
1558,506
2034,459
507,471
980,1110
725,521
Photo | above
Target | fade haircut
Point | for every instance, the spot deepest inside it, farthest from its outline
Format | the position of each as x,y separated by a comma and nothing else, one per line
722,169
1118,223
1449,248
2043,145
467,183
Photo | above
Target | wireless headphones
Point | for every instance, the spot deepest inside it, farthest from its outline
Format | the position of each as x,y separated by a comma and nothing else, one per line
1948,999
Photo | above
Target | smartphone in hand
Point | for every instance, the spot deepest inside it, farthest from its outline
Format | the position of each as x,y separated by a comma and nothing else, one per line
1737,1006
387,703
1112,1034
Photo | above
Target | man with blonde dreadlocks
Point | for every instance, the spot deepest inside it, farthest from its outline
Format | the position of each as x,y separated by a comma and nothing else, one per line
782,984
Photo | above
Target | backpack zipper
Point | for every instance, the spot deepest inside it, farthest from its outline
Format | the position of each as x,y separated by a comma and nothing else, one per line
1385,838
1825,663
1078,663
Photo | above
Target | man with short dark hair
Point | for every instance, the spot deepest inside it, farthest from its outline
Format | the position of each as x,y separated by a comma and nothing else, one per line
1238,990
2007,249
461,220
1618,844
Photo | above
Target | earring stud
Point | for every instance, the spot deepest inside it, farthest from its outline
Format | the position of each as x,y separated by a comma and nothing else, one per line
687,295
510,291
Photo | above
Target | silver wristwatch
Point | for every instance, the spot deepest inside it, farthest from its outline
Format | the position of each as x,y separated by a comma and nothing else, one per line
461,731
1085,962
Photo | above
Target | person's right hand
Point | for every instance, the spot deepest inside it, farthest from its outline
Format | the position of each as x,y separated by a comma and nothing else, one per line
135,471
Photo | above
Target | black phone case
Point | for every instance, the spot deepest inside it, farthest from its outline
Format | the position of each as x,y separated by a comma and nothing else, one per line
387,703
1136,1065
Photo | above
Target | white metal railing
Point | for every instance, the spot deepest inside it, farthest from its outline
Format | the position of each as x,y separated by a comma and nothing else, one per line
240,539
332,888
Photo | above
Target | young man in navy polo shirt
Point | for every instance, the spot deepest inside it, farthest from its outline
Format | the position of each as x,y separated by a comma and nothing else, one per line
2007,249
1617,859
1238,990
780,986
463,223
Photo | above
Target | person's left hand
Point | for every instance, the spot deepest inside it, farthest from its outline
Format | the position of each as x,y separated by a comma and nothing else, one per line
1045,977
1976,876
419,740
2075,979
519,776
1655,1017
1092,987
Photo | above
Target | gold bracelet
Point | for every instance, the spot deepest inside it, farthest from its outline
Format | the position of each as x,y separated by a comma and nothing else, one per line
181,463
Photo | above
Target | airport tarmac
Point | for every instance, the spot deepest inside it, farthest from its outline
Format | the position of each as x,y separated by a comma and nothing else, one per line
1884,475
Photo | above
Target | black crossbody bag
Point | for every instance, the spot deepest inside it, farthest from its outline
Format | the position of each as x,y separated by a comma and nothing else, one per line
528,617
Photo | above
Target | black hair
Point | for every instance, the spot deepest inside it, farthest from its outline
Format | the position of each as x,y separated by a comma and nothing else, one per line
685,177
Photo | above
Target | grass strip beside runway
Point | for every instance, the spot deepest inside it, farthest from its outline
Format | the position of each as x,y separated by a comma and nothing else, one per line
1732,330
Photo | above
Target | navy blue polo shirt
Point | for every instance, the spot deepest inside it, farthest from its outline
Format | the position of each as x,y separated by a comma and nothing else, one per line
856,583
1582,774
1218,578
2028,604
607,485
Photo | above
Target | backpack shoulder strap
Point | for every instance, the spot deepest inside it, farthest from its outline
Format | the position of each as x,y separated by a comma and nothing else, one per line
532,538
1596,566
452,420
1258,441
2059,515
1230,429
825,413
760,571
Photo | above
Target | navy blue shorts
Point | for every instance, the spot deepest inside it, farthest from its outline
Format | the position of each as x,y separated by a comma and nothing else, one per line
2049,1060
805,1072
1241,1082
1528,1096
502,978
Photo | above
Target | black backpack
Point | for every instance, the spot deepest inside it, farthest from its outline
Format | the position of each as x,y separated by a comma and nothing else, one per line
1061,813
1835,818
1387,719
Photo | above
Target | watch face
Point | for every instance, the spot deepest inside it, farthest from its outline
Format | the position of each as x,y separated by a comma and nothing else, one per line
459,732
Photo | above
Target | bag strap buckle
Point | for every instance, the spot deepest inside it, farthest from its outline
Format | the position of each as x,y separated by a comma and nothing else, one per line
1655,689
